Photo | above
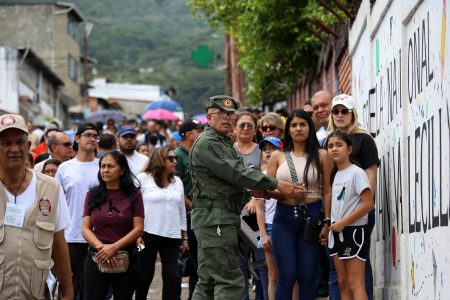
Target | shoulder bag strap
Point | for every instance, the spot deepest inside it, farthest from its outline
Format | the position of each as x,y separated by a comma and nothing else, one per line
301,203
291,166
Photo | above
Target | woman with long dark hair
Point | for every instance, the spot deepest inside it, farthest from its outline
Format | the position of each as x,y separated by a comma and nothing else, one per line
296,258
113,219
165,222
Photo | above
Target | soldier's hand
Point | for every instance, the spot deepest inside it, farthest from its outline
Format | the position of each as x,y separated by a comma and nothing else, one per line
292,191
258,193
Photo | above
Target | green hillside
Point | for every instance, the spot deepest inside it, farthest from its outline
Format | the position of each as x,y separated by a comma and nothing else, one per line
150,42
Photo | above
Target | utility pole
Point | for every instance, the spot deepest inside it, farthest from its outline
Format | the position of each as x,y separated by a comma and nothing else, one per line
86,32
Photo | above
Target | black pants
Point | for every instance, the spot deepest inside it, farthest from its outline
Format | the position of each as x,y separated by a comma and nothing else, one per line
77,253
168,251
193,249
193,278
96,284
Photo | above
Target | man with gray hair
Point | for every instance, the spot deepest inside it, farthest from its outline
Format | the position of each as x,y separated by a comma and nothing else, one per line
60,148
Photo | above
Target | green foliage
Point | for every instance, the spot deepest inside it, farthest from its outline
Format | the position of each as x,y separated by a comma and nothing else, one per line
274,45
150,42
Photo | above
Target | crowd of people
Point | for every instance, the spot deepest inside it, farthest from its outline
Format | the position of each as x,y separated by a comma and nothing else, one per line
88,196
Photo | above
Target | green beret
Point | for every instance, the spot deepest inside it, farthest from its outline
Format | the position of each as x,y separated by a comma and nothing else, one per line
221,101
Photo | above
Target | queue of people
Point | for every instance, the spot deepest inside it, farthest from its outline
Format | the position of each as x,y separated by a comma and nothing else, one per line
136,193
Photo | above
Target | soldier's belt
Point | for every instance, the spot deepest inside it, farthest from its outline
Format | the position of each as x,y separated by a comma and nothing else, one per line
224,204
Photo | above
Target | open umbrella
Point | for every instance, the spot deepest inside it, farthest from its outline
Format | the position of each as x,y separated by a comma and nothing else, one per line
201,118
170,105
104,115
159,114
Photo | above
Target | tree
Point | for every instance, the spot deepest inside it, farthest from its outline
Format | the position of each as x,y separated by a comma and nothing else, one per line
274,43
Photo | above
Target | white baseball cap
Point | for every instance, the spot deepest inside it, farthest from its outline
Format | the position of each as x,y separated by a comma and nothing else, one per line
344,99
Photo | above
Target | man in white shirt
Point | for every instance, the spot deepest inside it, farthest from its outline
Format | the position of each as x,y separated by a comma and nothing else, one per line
60,147
321,103
127,145
76,176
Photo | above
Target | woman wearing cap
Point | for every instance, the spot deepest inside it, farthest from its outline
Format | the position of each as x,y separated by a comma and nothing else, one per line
272,125
296,258
365,154
165,222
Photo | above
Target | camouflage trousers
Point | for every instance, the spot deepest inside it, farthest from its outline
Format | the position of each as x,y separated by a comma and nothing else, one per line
219,275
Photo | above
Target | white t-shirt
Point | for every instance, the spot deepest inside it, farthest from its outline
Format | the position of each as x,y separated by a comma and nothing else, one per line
270,206
348,185
28,198
165,212
76,178
136,162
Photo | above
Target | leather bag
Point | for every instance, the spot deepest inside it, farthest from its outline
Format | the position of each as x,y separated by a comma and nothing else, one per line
122,260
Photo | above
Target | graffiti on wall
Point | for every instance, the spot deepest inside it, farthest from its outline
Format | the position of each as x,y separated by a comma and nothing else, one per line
403,102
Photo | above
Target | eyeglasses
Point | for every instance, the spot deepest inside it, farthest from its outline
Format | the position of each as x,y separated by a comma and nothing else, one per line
268,127
343,111
91,137
224,114
244,125
172,158
68,144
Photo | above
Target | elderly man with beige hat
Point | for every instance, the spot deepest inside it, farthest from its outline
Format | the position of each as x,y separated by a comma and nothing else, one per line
33,214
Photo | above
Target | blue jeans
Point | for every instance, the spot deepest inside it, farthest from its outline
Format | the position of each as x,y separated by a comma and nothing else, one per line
262,285
295,258
334,293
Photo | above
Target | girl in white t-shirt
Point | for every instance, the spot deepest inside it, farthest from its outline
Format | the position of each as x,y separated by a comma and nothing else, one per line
351,202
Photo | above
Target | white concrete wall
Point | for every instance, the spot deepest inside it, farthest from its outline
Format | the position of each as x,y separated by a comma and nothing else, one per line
9,97
401,80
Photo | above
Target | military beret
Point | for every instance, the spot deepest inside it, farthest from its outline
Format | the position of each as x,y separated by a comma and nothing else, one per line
221,101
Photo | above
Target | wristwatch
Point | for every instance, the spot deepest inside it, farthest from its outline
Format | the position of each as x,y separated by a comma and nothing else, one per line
327,221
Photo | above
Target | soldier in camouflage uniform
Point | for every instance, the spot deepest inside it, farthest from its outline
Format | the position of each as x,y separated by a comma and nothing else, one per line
220,180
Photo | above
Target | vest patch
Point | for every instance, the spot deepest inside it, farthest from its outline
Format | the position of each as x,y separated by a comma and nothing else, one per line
45,206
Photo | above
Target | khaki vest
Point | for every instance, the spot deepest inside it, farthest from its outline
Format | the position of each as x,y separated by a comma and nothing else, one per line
25,253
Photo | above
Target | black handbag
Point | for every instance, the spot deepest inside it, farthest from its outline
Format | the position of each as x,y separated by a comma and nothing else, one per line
313,226
186,265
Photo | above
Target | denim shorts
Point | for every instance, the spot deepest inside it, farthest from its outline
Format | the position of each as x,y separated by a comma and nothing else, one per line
269,233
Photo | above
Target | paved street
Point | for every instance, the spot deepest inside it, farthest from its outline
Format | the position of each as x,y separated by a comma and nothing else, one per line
155,290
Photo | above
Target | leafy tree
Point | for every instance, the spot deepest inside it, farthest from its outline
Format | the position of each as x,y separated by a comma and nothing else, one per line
274,45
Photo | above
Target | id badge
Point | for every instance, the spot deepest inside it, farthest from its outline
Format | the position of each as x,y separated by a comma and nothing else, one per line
15,215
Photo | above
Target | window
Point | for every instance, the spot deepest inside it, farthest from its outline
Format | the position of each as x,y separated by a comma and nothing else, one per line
73,28
73,70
